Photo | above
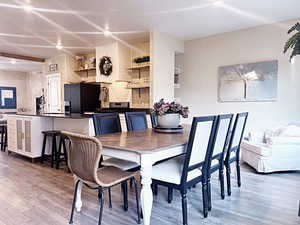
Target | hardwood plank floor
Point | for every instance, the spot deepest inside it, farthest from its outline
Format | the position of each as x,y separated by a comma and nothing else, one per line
35,194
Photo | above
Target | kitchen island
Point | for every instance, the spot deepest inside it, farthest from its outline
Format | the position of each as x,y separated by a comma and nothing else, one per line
25,130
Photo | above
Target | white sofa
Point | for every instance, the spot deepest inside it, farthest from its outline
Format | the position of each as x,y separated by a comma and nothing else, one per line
273,150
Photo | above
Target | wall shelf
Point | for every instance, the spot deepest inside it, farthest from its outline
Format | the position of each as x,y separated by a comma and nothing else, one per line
139,67
139,87
85,71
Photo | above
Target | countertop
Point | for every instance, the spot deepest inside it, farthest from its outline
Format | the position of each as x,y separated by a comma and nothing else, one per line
59,115
78,115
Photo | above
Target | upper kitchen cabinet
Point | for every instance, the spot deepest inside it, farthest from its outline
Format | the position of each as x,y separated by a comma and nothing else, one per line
112,62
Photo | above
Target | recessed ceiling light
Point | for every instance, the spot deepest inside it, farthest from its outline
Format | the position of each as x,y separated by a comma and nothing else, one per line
218,3
293,60
13,61
106,33
59,46
28,8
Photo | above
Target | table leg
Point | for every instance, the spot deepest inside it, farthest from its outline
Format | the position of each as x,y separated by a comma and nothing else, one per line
146,192
78,203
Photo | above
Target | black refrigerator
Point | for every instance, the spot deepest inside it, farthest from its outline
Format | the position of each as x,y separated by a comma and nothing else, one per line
80,98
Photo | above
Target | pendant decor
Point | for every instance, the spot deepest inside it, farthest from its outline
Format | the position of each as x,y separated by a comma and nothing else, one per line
105,66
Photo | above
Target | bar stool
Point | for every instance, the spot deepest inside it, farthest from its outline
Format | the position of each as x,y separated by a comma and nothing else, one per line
3,133
62,151
55,152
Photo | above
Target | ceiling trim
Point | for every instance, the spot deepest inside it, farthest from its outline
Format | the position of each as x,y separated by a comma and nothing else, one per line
23,57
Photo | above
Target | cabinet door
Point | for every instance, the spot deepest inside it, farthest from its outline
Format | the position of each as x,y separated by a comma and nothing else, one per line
20,135
27,126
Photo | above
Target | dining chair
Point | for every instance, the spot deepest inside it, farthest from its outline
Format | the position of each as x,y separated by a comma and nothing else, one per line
219,152
136,121
184,171
233,153
153,118
224,123
84,156
108,123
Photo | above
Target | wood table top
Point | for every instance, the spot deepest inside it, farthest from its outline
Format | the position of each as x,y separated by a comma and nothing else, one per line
144,142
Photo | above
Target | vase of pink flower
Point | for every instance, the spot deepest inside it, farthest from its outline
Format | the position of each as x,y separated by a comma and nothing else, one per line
168,114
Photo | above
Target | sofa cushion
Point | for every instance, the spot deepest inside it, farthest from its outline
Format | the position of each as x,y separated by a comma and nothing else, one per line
257,148
283,140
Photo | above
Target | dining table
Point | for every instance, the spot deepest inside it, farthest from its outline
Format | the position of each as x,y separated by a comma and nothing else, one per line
145,147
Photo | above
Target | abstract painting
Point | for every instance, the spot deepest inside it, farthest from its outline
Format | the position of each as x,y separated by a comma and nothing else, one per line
248,82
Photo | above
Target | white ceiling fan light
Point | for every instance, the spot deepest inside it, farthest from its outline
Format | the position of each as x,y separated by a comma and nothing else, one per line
59,46
106,33
28,8
13,61
218,3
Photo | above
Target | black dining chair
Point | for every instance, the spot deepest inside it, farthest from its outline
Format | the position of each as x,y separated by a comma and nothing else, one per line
222,136
219,152
108,123
184,171
233,153
136,121
153,118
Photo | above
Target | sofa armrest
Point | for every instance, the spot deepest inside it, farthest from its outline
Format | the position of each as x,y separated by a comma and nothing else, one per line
255,137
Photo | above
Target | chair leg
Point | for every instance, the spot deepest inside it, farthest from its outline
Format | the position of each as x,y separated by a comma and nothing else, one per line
74,200
170,195
109,198
125,195
54,151
43,149
221,178
59,152
155,189
65,152
130,183
209,195
228,172
5,140
238,171
100,196
137,200
184,207
205,199
2,139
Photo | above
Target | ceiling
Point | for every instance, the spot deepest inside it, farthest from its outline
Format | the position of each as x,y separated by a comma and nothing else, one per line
78,25
19,65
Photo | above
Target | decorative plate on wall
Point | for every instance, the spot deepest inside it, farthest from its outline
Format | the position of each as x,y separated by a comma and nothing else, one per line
105,66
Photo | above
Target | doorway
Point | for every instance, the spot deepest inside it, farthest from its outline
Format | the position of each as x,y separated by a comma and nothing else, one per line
54,93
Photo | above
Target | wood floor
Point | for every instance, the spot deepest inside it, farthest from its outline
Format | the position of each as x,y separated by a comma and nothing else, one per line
34,194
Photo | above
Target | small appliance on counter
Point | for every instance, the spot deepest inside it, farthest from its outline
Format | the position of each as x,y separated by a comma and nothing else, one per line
40,103
68,107
120,107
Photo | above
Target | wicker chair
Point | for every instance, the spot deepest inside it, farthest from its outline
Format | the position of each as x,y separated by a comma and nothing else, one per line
84,156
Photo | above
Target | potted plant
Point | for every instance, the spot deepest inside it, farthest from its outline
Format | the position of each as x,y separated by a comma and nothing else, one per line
294,42
168,114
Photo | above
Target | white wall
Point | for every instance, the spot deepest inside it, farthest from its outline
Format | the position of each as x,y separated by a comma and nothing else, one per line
36,81
18,80
162,52
204,56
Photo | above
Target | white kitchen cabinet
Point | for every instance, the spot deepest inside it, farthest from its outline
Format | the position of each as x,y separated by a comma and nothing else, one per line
24,134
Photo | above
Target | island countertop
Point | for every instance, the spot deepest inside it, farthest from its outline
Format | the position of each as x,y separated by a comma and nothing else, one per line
58,115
